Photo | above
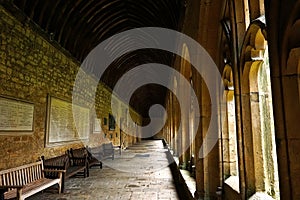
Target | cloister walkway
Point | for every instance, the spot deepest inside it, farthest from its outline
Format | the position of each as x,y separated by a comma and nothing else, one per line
140,172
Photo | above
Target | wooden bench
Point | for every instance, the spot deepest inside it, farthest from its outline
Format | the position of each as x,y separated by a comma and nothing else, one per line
96,152
105,150
24,181
91,160
108,150
72,166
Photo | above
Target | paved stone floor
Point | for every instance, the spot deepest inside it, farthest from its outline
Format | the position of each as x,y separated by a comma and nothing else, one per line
140,172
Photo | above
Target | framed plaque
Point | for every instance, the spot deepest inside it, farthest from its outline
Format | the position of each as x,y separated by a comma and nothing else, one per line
16,115
97,125
61,126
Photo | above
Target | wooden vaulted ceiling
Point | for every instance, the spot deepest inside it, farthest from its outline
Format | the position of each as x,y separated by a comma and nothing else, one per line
80,25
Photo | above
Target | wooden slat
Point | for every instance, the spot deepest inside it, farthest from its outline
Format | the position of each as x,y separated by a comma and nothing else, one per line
38,172
29,174
14,177
24,178
42,169
19,178
15,174
33,172
8,178
3,179
25,175
11,178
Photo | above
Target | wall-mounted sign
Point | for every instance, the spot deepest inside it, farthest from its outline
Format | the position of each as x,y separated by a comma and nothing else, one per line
97,125
61,122
16,115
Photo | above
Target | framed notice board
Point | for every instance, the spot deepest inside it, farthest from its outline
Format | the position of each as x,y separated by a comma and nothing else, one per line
16,115
65,124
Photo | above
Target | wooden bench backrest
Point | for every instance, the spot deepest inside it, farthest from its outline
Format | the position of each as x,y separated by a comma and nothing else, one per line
59,162
107,145
79,152
94,150
22,175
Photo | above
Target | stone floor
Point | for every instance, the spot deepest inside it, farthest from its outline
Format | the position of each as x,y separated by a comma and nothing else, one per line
140,172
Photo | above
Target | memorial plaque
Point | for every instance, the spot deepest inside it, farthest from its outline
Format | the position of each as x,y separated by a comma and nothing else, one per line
61,122
16,115
97,125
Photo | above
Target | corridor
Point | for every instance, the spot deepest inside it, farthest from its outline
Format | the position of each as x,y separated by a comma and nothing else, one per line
144,175
216,82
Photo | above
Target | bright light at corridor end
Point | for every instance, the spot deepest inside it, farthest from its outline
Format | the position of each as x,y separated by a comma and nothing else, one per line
172,41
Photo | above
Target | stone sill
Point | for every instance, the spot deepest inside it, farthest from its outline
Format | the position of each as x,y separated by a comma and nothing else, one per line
260,196
233,183
189,180
232,187
186,178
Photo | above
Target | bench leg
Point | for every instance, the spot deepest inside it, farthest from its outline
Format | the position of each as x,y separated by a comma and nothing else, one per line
19,194
84,173
59,186
63,183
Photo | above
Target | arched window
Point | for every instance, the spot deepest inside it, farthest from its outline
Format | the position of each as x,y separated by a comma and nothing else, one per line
185,70
258,114
229,135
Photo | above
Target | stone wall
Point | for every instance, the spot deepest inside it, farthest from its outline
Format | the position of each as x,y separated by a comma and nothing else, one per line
31,69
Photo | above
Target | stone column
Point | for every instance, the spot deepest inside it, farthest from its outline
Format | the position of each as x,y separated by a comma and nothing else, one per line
199,162
291,139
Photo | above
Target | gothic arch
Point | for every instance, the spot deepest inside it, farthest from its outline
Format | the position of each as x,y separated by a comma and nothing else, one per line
291,37
258,126
185,70
254,43
229,135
